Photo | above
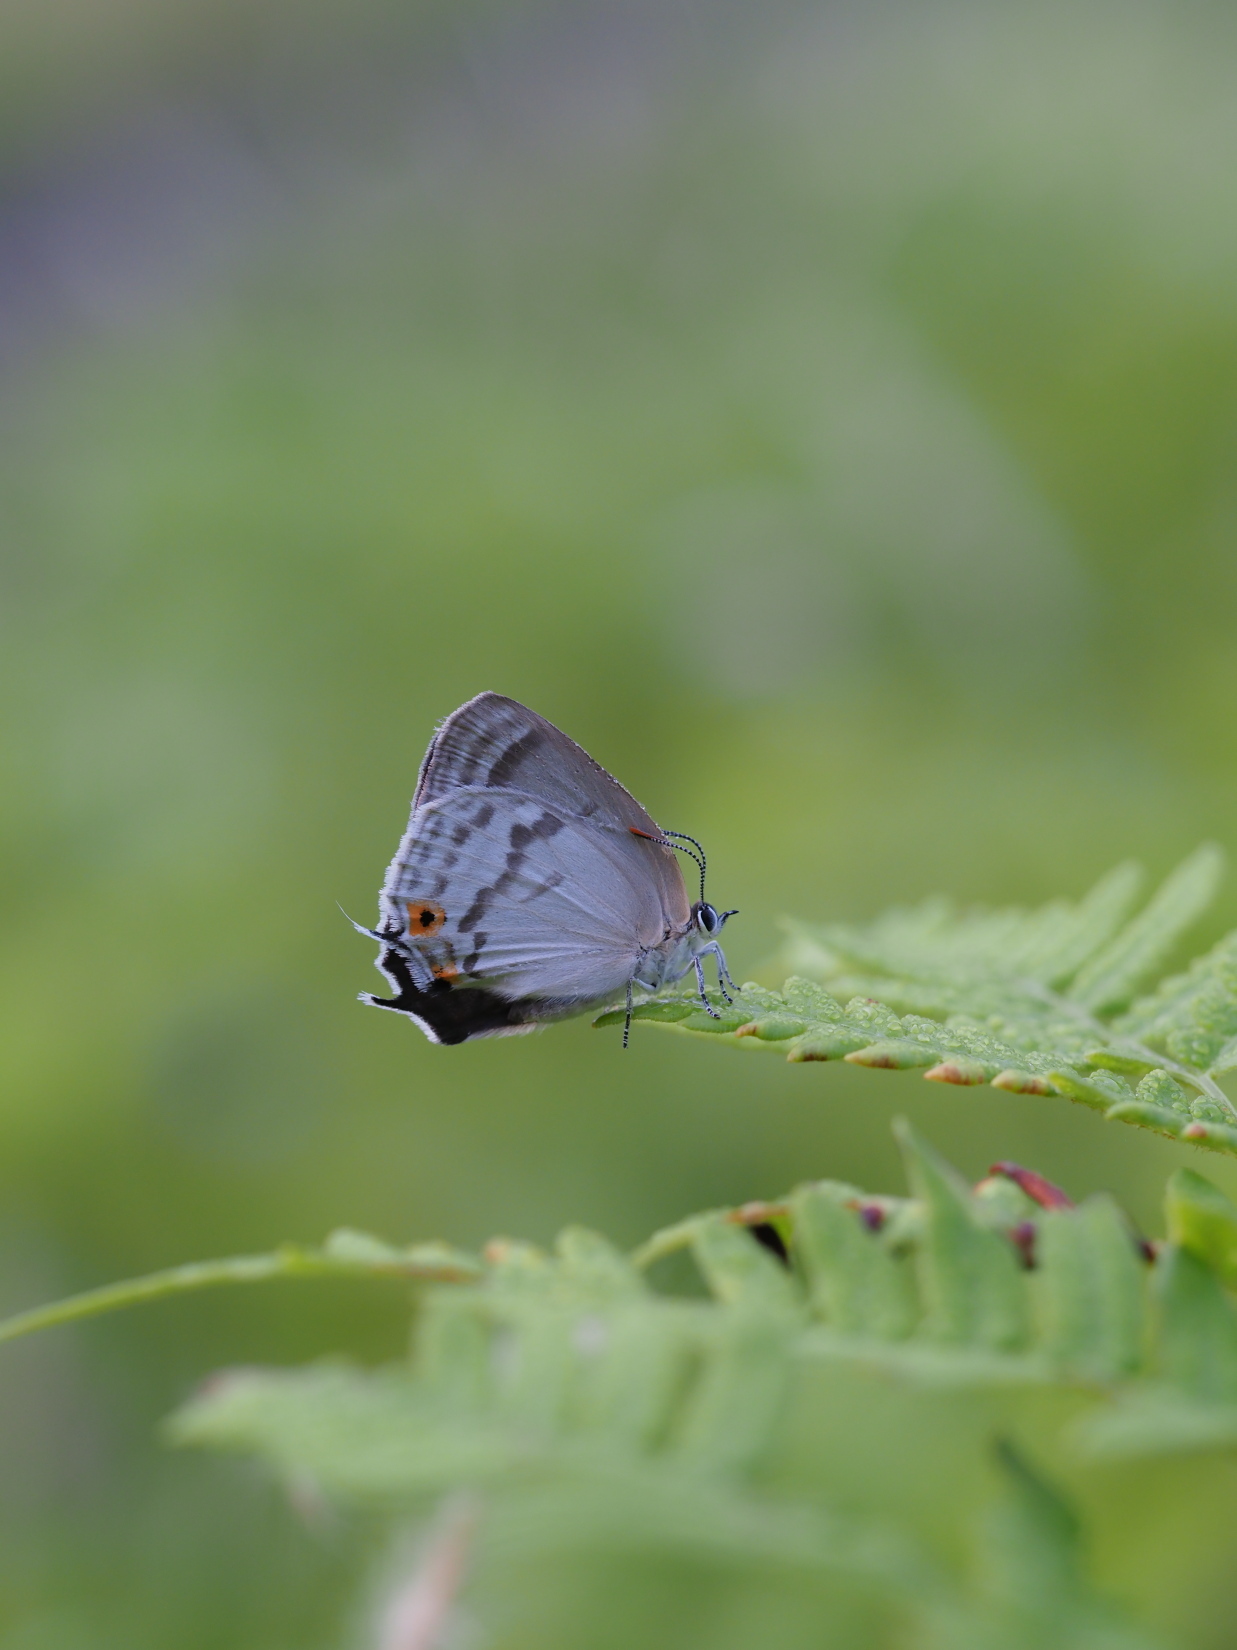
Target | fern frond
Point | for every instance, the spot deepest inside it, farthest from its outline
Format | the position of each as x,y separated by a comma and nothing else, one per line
832,1431
1033,1002
596,1421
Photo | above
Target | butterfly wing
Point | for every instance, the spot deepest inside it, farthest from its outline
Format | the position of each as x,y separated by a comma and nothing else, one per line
495,743
501,911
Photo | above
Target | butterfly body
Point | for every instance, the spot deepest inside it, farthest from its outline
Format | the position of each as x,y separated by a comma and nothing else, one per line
529,884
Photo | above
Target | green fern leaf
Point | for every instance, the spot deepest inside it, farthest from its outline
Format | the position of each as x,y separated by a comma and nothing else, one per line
1088,1291
1201,1219
1195,1328
969,1275
606,1429
1032,1002
859,1286
1110,979
1033,1574
738,1270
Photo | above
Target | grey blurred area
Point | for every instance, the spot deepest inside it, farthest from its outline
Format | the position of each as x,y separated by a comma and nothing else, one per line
825,413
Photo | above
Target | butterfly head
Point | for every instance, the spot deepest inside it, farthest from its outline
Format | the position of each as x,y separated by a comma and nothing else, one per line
708,919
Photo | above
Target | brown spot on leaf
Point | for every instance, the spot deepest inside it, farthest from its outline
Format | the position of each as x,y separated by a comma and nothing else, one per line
1023,1239
871,1214
1022,1082
956,1071
891,1056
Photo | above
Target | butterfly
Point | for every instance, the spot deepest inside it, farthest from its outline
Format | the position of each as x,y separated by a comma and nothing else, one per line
530,885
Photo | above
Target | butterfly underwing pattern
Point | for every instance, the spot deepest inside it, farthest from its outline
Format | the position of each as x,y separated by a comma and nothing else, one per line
530,885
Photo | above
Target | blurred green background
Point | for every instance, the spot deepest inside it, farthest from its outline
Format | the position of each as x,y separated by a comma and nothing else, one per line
825,413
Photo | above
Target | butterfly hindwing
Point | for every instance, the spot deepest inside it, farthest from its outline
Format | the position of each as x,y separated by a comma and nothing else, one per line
500,887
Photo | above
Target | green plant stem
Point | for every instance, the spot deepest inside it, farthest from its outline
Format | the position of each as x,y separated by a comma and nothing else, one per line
287,1262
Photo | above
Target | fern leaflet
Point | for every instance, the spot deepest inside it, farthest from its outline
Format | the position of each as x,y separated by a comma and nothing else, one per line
1034,1002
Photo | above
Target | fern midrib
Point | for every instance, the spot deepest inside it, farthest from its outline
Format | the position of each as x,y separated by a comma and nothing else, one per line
1199,1080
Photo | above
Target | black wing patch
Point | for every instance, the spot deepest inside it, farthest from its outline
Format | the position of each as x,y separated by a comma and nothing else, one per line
450,1016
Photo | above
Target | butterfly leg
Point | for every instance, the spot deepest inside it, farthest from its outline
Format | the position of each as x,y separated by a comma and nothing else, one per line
704,998
627,1021
723,973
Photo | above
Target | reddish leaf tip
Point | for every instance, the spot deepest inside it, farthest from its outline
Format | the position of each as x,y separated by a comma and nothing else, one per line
955,1071
1036,1187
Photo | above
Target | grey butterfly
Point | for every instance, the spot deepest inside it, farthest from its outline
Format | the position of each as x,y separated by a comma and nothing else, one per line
530,885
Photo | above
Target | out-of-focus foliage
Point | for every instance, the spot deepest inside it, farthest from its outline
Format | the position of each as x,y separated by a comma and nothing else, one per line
1033,1002
823,412
839,1450
345,1254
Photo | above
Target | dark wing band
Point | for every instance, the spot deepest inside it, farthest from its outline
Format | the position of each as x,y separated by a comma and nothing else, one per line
496,743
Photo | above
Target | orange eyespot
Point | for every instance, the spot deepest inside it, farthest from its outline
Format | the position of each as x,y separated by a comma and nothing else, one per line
446,972
424,917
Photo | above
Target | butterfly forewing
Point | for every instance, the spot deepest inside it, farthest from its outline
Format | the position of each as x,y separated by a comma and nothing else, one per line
495,743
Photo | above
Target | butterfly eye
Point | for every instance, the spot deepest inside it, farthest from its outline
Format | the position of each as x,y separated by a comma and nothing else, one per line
424,917
706,919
